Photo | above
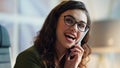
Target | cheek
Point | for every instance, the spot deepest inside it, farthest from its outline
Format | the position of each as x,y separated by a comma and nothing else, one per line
60,28
63,27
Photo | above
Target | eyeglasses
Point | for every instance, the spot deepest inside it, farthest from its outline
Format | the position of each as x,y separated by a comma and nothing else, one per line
69,20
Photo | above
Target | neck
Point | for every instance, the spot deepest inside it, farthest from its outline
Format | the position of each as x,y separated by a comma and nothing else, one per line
60,50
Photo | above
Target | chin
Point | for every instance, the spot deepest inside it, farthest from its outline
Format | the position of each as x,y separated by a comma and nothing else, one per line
69,46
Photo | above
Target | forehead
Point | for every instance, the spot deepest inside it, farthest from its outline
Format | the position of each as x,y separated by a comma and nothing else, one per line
78,14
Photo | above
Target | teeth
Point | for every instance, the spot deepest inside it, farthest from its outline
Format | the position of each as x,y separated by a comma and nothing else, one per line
70,36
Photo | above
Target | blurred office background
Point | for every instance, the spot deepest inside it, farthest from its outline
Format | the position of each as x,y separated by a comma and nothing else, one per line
24,18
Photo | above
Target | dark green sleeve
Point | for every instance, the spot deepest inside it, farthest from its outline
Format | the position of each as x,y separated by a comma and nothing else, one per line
28,59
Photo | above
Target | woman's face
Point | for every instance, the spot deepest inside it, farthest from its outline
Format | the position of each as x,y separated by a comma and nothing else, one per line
67,34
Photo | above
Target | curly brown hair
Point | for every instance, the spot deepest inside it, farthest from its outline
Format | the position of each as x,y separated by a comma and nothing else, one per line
45,41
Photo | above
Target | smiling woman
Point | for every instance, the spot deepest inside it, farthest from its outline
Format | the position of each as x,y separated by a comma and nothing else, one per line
56,45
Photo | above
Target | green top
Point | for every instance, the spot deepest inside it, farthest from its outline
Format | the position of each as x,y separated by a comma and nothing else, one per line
29,59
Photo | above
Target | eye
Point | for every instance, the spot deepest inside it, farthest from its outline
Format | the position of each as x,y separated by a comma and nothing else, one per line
69,21
81,25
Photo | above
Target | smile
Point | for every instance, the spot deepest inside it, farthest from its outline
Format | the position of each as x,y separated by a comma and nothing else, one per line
70,36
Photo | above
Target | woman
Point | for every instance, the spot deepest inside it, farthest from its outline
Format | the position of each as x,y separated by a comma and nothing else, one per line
56,45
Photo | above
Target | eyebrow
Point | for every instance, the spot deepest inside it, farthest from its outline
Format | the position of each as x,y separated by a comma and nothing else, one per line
75,18
71,16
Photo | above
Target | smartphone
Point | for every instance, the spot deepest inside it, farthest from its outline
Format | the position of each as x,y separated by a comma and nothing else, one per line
82,36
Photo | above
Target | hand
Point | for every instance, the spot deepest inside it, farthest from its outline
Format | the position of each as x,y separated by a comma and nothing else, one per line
76,54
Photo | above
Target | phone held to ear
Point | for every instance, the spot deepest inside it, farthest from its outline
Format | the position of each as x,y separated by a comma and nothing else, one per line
82,36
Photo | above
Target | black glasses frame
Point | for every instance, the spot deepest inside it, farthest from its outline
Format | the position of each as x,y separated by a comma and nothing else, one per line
75,22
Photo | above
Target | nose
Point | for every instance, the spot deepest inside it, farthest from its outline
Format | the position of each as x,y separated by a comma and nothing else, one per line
74,27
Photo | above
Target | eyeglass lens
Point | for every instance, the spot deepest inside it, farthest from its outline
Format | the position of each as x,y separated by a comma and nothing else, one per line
70,21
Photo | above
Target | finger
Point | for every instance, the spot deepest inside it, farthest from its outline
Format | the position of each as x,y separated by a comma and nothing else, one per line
76,56
67,57
76,53
77,50
78,47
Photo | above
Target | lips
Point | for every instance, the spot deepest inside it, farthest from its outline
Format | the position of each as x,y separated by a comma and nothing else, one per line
70,37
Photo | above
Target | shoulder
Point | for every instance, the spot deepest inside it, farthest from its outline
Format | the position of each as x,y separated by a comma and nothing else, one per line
29,58
30,52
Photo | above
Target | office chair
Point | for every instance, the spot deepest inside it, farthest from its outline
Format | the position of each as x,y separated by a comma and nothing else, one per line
4,48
